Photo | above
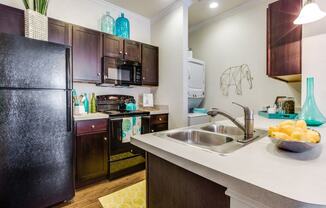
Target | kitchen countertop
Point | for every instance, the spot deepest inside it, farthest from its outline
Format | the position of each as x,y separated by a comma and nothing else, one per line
91,116
294,177
157,109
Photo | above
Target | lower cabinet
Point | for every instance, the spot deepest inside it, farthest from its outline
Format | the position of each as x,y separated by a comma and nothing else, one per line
91,155
159,122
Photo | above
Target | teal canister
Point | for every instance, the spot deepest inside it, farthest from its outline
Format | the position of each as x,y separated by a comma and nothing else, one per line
122,27
108,24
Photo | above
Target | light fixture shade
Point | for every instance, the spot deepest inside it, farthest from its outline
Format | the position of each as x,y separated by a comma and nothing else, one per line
309,13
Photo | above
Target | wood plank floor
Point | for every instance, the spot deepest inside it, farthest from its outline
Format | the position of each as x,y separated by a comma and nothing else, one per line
88,196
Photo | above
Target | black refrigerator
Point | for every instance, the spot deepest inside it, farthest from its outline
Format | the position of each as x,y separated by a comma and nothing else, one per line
36,131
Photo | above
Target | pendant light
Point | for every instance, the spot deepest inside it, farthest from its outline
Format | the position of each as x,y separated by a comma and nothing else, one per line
309,13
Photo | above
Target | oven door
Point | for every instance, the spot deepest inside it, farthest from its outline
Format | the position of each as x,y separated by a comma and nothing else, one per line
124,158
116,73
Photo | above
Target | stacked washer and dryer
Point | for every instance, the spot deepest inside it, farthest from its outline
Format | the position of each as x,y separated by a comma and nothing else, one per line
196,92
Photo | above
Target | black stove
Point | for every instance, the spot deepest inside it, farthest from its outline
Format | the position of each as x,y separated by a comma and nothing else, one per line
124,158
115,105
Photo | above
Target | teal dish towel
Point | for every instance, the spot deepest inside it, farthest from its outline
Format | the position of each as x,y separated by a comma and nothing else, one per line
136,125
127,129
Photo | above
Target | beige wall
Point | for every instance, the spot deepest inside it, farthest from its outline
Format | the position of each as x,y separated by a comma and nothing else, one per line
168,32
234,39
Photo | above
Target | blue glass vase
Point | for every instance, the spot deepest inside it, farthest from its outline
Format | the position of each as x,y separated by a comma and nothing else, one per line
310,112
108,24
122,27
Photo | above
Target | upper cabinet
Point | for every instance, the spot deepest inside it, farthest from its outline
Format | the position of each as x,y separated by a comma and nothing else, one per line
132,50
284,41
112,46
12,20
150,64
116,47
59,32
87,54
88,47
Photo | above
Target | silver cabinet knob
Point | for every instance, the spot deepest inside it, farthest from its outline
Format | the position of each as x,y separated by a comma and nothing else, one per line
126,53
98,74
160,119
152,130
105,139
144,78
120,52
93,126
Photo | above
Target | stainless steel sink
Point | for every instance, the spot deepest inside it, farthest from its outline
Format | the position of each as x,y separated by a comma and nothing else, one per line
200,138
229,130
215,137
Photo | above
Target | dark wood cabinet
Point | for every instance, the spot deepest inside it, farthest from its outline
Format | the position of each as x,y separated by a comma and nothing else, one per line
181,188
150,65
12,20
159,123
87,54
284,40
132,50
92,146
112,46
60,32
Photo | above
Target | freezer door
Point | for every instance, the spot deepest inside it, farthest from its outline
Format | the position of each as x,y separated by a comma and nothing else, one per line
27,63
36,148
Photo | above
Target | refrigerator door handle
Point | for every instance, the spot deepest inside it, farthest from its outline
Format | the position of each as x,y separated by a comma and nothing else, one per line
68,69
69,111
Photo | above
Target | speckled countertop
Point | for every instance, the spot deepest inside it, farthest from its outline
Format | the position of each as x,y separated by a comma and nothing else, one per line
91,116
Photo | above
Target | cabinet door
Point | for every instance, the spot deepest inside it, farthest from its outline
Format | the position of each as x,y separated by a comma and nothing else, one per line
150,65
92,157
132,50
59,32
12,20
284,39
112,46
87,54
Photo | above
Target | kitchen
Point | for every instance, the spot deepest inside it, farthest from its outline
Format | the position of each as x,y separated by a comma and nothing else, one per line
139,80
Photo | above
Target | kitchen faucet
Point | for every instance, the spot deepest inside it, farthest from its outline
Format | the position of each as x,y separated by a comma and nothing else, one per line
247,128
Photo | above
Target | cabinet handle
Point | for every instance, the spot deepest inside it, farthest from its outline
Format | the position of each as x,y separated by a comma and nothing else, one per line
160,119
120,52
105,139
152,130
93,126
144,78
126,53
98,74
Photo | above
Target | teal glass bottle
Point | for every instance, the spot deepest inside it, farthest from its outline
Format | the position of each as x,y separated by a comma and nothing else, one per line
122,27
86,103
108,24
310,112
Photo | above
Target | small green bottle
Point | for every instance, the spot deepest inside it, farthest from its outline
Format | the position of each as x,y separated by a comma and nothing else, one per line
93,103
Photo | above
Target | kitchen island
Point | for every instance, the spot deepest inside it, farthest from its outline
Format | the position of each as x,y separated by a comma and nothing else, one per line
256,176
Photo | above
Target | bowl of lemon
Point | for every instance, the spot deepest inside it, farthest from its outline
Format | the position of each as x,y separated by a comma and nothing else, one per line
294,136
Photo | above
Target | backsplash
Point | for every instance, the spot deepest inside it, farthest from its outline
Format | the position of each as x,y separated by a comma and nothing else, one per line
135,91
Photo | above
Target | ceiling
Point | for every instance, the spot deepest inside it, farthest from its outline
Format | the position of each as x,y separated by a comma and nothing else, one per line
200,11
146,8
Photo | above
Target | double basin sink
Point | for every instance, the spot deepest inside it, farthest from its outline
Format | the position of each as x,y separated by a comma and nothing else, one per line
215,137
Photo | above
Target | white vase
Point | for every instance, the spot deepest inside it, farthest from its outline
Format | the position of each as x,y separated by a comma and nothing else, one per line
36,25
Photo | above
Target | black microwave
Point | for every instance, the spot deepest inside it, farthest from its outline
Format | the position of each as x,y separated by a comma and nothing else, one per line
121,72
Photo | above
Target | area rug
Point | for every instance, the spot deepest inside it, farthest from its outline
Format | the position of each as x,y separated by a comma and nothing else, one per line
131,197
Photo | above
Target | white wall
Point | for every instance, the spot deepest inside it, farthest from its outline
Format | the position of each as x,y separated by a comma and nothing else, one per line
232,39
314,58
87,13
169,33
